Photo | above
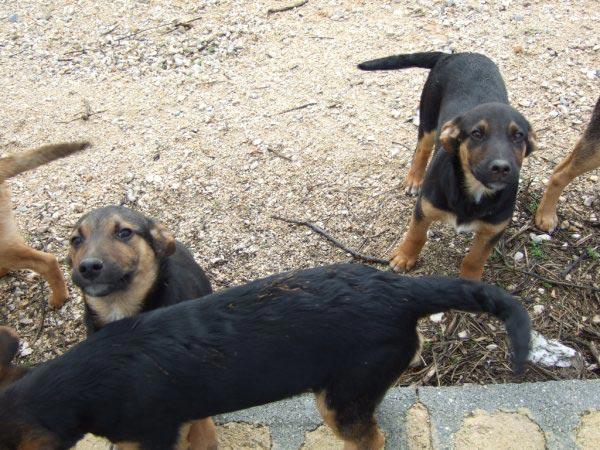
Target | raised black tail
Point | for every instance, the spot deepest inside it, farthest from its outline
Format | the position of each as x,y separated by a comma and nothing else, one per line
473,296
425,60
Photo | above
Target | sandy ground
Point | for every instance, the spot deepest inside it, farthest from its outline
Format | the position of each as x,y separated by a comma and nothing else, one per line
192,124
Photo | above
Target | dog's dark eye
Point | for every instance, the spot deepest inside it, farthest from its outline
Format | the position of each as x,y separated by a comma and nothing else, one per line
76,241
124,233
477,134
518,137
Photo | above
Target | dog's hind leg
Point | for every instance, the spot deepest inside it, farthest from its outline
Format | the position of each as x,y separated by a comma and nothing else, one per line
414,179
203,435
352,422
584,157
21,256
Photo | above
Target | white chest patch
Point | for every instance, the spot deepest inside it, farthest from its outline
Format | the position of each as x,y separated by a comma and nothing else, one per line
470,227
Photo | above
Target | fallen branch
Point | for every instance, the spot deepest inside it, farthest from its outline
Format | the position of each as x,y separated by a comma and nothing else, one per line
551,281
585,255
317,229
277,9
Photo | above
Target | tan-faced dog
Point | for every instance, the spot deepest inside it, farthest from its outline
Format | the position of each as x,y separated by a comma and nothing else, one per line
480,142
584,157
126,263
14,252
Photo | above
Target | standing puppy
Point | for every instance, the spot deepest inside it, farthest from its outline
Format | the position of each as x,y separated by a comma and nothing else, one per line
125,263
584,157
480,142
14,252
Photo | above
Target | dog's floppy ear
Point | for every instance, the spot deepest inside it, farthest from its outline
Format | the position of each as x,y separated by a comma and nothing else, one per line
449,135
531,144
163,241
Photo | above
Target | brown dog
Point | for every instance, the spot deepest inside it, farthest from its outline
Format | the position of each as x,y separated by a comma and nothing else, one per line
584,157
14,252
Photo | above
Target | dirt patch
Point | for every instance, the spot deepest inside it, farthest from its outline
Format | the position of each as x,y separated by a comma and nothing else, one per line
321,439
243,436
418,428
500,430
194,124
588,431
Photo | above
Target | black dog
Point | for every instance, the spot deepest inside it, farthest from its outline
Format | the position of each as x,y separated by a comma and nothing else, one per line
125,263
480,142
344,332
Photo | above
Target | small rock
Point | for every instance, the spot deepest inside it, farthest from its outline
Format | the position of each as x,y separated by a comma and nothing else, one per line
129,176
576,236
538,309
518,256
596,319
396,114
491,347
542,291
394,151
463,334
537,238
588,200
518,17
565,225
13,18
436,318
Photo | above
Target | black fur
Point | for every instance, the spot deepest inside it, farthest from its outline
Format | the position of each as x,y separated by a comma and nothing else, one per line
346,330
461,87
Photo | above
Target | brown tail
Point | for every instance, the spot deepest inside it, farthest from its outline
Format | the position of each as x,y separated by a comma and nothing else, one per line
20,162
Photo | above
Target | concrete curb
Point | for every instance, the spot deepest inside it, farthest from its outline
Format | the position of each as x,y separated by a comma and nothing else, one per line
543,416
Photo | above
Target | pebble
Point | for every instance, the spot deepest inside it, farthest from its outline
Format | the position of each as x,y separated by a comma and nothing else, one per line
538,309
518,256
463,334
596,319
491,347
588,200
436,318
537,238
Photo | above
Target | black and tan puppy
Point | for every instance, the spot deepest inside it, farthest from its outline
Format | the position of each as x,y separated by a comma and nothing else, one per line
126,263
584,157
14,252
480,142
344,332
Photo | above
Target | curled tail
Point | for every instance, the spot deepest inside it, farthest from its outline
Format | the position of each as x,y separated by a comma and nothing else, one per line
20,162
425,60
473,296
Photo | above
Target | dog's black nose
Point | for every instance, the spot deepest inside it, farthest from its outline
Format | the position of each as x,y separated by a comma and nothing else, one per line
90,268
500,168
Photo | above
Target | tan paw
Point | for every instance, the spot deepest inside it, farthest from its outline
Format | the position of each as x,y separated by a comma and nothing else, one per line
400,262
58,298
546,221
413,183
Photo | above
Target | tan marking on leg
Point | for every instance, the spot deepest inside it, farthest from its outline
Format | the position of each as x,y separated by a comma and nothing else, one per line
584,157
203,435
3,272
414,179
127,446
405,255
472,265
359,437
416,359
182,437
21,256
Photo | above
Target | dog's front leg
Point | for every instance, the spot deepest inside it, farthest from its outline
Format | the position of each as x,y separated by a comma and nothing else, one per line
486,237
406,254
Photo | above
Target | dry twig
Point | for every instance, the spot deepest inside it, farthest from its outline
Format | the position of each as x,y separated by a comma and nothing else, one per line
317,229
294,5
